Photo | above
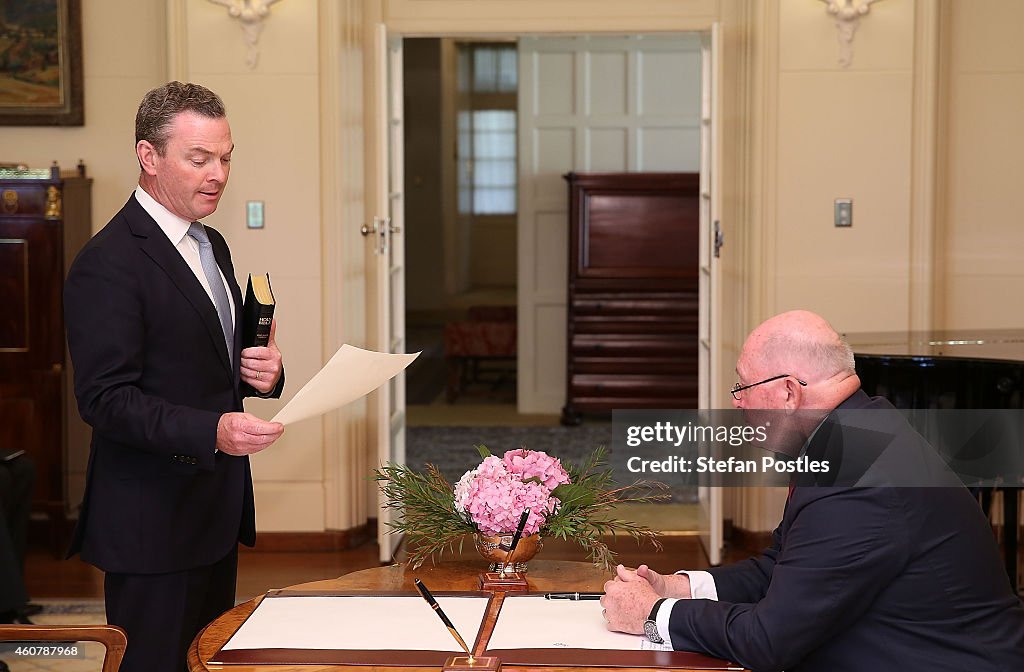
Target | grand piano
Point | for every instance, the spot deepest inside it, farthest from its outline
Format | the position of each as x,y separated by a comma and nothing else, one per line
950,370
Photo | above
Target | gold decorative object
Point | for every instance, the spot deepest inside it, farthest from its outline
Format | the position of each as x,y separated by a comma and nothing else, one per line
10,200
490,548
53,203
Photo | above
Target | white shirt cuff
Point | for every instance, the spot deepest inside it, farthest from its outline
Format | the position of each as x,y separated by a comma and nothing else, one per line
662,619
702,585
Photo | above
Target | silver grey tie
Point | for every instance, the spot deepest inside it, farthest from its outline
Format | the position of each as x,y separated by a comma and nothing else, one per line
220,297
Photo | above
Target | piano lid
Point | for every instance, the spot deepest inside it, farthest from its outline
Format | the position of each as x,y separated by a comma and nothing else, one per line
991,344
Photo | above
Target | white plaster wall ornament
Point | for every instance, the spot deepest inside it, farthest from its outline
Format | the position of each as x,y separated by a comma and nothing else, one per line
250,13
847,13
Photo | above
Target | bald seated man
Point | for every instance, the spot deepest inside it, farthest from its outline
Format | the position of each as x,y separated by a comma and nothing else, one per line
857,578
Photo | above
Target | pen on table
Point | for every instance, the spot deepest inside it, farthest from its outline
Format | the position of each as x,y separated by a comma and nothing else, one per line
573,596
448,624
515,539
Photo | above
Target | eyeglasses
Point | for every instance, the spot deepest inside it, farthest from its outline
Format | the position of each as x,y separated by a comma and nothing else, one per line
737,388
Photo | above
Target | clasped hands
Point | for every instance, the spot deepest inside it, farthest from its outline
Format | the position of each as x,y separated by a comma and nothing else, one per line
244,433
630,596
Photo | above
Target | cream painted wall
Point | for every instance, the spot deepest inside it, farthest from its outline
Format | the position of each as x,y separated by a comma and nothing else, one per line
820,131
983,247
275,121
841,133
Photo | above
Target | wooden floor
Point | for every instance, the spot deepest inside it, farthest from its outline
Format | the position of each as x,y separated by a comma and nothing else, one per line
49,577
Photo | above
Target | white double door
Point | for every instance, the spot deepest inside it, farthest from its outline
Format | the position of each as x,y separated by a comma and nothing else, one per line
387,277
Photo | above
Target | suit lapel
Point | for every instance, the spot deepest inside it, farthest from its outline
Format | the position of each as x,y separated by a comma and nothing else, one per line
157,247
220,253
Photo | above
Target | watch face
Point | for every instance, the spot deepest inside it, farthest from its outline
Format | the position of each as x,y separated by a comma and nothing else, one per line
651,631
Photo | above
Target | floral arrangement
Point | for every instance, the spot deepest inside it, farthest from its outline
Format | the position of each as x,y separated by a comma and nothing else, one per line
566,502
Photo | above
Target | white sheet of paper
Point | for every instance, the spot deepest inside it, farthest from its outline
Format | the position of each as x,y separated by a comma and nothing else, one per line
397,623
536,623
350,374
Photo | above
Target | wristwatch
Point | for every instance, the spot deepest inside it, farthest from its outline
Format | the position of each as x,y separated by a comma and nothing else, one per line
651,624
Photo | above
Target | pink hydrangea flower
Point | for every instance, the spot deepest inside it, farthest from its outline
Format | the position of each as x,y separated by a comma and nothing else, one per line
529,464
495,494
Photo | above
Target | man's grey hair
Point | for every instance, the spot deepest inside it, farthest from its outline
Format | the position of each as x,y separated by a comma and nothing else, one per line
159,107
810,357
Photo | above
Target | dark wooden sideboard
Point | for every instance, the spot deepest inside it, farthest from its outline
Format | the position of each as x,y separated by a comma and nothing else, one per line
633,294
44,222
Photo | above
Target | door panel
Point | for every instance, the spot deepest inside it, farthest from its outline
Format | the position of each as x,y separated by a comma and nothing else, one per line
710,494
389,402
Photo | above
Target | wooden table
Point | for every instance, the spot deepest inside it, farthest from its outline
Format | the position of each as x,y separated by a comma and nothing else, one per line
544,576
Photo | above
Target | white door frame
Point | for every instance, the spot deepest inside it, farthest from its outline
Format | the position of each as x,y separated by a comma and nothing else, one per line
380,406
709,354
387,406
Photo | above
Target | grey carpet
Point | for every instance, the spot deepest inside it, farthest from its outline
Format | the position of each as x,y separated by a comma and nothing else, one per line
451,449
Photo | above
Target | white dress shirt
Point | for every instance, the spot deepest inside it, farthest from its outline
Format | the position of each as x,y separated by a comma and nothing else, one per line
176,230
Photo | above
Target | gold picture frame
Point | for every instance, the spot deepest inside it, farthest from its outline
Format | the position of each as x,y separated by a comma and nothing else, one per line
41,63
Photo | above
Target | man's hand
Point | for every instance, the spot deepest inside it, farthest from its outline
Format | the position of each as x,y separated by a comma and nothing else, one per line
672,585
245,434
627,603
668,585
261,367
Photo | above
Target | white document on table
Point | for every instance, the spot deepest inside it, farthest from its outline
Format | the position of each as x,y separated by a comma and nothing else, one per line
388,622
532,622
350,374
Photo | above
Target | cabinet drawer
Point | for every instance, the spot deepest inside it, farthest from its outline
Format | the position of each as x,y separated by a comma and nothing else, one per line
634,365
633,345
635,305
636,324
633,401
588,385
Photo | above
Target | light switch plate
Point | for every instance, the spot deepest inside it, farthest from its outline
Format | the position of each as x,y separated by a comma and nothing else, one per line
844,212
254,214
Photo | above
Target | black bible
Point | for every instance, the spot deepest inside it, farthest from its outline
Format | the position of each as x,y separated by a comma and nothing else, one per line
257,311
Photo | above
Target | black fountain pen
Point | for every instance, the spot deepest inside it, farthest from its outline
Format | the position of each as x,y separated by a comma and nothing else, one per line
515,540
444,617
573,596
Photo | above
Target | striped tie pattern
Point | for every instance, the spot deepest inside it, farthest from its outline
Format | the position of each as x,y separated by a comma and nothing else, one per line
220,297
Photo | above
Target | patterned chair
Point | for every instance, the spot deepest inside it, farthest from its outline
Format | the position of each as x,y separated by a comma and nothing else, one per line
488,335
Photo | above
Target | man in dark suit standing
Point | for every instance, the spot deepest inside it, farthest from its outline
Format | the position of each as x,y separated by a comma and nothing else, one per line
152,310
870,577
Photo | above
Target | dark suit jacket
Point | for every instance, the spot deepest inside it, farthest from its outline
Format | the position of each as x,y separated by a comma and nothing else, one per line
864,578
152,378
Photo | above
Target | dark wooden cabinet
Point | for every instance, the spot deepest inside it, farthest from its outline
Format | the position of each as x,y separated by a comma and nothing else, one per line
44,221
633,292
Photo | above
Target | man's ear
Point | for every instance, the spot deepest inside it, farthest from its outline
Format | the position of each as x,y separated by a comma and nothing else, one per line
147,156
794,395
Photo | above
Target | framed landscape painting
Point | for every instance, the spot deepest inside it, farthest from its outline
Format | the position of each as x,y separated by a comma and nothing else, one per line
41,63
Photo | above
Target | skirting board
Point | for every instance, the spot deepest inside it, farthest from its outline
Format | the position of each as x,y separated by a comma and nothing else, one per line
328,540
